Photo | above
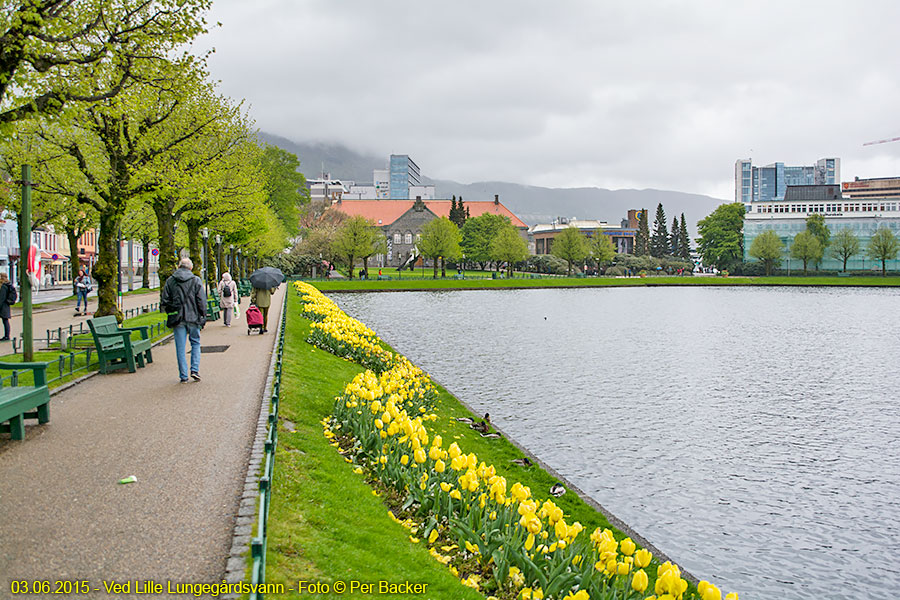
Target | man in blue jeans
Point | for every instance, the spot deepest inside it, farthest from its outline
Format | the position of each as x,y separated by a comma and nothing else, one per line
184,298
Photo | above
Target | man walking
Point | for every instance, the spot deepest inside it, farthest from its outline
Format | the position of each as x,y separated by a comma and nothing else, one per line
184,298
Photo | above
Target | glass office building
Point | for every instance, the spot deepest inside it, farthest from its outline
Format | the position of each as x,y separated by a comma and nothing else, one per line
769,183
403,174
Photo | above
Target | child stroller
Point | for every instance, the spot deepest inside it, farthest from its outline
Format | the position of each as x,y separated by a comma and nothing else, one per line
254,319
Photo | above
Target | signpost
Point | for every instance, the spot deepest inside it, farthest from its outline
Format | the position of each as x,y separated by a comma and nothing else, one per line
24,278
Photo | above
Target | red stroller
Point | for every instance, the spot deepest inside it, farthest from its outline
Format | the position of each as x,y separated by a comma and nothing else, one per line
254,319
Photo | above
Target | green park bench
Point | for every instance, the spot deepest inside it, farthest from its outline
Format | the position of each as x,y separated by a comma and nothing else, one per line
115,348
18,403
212,309
842,274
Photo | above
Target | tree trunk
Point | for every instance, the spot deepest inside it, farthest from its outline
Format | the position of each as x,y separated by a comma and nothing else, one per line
194,245
107,262
74,260
145,274
804,267
443,268
883,268
435,259
350,261
165,226
569,273
365,261
845,265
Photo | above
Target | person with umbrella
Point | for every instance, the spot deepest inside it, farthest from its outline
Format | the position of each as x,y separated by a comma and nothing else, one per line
264,281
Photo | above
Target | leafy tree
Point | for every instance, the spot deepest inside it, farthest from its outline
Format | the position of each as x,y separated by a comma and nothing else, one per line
684,242
458,213
54,52
659,243
570,246
844,245
883,246
767,247
509,247
355,238
674,238
378,246
477,235
806,247
602,248
285,186
440,239
815,224
642,237
721,241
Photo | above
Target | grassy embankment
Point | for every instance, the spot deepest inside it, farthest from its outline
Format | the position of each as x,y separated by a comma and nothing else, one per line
568,282
326,524
82,340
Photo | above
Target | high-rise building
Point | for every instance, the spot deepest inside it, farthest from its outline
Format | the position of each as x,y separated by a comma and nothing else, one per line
769,183
404,173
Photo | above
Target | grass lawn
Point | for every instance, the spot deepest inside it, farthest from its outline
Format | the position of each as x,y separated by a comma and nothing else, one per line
334,285
326,524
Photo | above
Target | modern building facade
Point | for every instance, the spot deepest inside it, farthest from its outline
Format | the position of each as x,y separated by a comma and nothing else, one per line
404,174
787,218
622,237
770,183
883,187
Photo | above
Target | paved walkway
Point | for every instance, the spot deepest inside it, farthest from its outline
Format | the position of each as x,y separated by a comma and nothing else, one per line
64,517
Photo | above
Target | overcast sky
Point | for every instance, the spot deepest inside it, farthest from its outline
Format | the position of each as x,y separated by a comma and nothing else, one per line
649,94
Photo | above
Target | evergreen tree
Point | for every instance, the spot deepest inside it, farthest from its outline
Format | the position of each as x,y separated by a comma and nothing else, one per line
453,209
659,243
674,238
684,242
642,237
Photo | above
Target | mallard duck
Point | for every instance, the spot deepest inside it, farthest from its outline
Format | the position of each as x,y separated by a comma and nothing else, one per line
491,436
465,420
557,490
482,427
522,462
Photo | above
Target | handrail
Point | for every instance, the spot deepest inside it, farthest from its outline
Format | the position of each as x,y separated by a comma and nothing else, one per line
259,542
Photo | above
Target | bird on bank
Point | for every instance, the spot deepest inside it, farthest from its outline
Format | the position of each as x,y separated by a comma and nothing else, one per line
481,427
557,490
465,420
522,462
491,436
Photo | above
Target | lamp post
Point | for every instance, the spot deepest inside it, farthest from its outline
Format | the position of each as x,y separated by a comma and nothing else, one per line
218,257
205,271
231,260
240,264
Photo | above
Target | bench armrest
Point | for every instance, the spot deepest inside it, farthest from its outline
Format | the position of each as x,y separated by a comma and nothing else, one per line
144,329
39,370
114,334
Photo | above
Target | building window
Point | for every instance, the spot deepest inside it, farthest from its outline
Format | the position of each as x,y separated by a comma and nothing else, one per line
407,238
396,238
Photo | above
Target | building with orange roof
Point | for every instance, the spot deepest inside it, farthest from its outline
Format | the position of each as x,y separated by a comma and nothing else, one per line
402,221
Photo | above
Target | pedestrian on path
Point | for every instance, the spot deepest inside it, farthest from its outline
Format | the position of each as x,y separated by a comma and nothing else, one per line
82,288
227,289
8,297
262,298
184,298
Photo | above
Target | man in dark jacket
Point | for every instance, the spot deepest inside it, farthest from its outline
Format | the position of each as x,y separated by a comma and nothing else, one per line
184,297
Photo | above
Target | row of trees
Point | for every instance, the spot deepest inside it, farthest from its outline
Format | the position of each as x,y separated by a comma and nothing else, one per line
811,245
662,243
127,134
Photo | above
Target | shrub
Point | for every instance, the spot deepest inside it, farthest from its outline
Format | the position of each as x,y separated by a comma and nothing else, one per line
614,271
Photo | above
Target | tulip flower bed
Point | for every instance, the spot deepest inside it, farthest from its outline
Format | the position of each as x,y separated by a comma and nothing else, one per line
496,537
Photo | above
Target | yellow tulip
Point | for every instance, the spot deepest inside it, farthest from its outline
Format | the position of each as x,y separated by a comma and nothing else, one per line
419,456
432,536
446,486
627,547
642,558
640,581
455,494
529,542
439,466
404,460
731,596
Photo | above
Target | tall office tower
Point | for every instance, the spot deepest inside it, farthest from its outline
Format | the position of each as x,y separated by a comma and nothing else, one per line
404,173
768,183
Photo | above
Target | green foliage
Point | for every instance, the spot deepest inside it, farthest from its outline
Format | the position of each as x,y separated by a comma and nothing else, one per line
844,245
458,212
806,247
571,246
815,224
642,237
721,241
285,186
545,263
602,248
614,271
509,247
674,238
477,235
883,246
684,242
355,238
440,238
767,247
659,242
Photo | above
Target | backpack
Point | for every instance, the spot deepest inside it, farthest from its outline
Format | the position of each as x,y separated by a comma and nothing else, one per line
226,291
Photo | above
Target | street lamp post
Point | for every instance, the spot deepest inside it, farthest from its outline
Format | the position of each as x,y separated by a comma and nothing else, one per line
218,257
240,264
231,260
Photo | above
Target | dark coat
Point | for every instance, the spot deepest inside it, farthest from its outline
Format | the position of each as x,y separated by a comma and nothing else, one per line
184,293
4,299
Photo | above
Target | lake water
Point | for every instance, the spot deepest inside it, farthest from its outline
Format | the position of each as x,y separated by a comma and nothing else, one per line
751,434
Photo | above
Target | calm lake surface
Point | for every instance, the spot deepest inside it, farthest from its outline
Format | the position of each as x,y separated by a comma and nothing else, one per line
751,434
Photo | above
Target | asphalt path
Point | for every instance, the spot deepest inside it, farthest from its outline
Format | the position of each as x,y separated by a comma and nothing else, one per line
65,517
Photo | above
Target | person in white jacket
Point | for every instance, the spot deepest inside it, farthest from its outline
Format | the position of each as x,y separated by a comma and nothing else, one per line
227,289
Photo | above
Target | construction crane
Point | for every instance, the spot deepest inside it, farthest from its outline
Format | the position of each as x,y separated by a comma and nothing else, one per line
893,139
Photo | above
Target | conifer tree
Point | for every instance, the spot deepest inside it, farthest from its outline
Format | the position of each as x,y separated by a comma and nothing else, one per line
674,238
642,237
659,243
684,242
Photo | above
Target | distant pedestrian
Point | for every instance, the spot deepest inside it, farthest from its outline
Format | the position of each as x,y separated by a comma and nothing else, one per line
8,297
227,289
262,298
184,298
83,287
